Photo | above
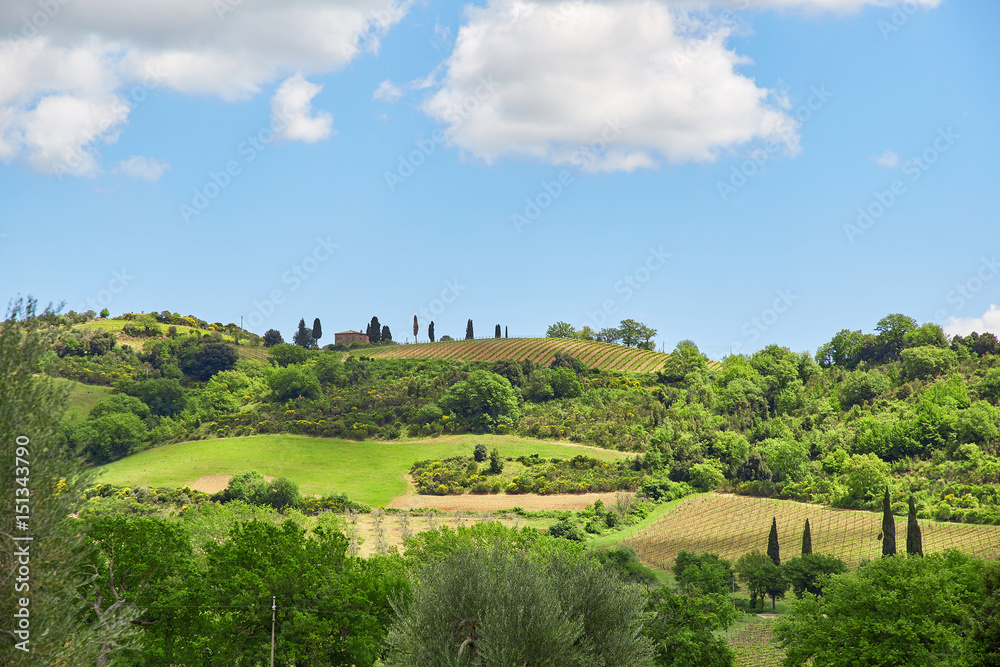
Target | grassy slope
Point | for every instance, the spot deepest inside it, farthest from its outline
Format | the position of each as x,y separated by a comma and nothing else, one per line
82,397
605,356
369,472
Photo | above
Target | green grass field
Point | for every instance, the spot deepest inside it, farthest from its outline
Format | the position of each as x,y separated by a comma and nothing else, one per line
82,397
369,472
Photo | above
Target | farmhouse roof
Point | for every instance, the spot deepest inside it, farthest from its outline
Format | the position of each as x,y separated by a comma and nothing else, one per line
349,331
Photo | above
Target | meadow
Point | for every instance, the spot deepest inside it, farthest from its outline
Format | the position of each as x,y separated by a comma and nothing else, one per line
370,472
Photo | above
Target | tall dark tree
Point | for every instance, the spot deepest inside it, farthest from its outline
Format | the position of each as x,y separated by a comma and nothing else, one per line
914,543
416,328
273,337
374,331
317,330
496,332
807,540
430,331
505,333
888,527
303,337
386,334
468,331
772,543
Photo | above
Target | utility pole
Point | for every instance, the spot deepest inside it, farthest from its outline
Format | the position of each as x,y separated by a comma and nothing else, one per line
274,606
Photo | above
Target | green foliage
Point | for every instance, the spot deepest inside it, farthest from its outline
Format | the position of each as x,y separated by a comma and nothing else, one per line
773,548
208,359
888,527
927,361
914,543
864,477
288,355
109,438
120,403
567,530
250,487
761,577
479,453
989,386
862,386
707,476
707,572
273,337
303,336
293,382
483,402
809,573
164,396
469,334
894,611
498,605
564,383
683,628
560,330
927,334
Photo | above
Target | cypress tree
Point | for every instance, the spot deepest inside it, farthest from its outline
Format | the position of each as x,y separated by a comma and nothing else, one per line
416,328
505,333
807,540
888,527
914,543
386,334
468,331
374,331
430,331
317,329
303,337
772,542
496,332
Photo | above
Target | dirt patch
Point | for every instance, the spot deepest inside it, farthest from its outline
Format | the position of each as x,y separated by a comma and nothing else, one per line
488,503
215,483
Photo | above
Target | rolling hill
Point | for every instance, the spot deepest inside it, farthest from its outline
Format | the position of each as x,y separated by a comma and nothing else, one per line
603,356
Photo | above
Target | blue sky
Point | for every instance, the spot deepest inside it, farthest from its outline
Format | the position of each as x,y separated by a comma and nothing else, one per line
702,168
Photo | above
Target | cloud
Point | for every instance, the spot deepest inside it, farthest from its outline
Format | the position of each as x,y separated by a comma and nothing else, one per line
66,73
545,81
963,326
888,159
387,91
145,168
292,112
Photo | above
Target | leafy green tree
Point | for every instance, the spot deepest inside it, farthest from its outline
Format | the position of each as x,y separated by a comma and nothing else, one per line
496,463
761,577
430,331
203,361
567,530
892,330
287,355
483,401
509,369
808,573
807,542
684,627
635,333
564,383
864,476
496,605
927,334
888,527
927,361
479,453
861,386
293,382
109,438
609,335
317,330
120,403
843,350
560,330
773,550
707,572
105,312
469,335
686,358
164,396
303,337
893,611
283,493
386,335
272,337
31,410
250,487
914,543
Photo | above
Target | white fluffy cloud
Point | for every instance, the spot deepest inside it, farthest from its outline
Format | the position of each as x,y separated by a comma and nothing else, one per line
145,168
963,326
888,159
66,71
606,87
387,91
292,113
